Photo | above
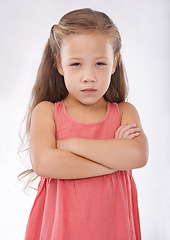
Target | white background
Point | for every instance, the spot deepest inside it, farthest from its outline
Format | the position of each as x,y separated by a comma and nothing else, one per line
144,27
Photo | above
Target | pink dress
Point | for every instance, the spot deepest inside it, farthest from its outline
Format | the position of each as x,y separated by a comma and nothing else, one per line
97,208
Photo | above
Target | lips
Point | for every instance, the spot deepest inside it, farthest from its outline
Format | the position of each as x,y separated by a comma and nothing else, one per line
88,90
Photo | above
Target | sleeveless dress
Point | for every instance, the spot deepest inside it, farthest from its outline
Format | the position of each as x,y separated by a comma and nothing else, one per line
96,208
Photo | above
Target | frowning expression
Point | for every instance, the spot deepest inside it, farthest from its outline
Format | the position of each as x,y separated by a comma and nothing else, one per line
87,62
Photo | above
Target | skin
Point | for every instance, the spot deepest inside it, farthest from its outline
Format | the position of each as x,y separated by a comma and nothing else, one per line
87,62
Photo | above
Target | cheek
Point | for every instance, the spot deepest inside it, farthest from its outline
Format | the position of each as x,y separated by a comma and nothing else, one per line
106,78
70,82
67,82
107,83
70,73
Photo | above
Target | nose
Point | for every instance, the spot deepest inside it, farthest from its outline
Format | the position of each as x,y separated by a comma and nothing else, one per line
88,75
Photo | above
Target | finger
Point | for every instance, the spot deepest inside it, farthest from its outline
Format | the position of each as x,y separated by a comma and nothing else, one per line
118,131
132,136
130,131
121,130
124,128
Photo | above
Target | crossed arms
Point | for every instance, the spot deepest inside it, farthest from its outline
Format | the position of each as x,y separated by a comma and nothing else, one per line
82,158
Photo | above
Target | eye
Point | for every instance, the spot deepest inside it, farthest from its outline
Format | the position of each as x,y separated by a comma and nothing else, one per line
101,63
75,64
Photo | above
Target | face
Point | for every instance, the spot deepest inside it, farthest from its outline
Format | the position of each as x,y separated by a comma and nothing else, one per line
87,62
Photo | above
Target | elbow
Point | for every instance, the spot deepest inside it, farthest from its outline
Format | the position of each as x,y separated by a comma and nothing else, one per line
38,171
46,164
38,165
142,157
142,160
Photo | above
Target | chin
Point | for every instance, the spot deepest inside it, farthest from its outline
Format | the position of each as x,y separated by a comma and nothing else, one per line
87,102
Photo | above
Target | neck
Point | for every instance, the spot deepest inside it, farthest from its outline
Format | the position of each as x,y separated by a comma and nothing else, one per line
86,113
72,102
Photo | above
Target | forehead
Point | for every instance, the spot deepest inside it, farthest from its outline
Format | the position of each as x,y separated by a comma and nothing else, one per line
93,43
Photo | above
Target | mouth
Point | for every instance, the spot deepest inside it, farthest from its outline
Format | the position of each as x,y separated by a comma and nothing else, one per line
88,90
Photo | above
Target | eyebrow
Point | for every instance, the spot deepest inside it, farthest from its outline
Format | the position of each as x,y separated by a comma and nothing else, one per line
76,58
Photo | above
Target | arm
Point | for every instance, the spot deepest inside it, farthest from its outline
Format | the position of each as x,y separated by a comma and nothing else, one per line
120,153
47,161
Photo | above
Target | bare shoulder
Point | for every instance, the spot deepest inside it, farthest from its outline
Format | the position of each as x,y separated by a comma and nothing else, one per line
126,106
44,107
42,130
129,113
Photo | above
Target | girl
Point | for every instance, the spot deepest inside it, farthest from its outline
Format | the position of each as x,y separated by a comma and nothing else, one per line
84,139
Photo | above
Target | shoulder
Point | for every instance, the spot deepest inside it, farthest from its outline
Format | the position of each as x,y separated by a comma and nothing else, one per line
126,106
42,118
129,113
44,107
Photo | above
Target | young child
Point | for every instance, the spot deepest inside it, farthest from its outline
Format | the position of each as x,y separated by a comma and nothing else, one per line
84,139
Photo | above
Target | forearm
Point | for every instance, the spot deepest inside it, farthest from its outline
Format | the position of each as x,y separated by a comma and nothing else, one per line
119,154
60,164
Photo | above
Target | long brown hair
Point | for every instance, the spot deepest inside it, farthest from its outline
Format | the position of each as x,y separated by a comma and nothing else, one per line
50,86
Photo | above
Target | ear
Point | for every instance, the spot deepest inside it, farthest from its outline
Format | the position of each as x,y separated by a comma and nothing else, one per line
58,65
115,63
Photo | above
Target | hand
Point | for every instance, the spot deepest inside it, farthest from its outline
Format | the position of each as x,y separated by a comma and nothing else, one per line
64,144
129,131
